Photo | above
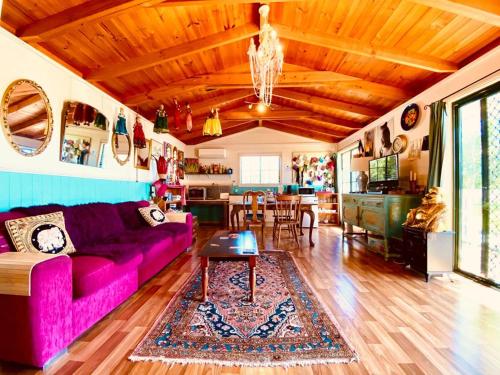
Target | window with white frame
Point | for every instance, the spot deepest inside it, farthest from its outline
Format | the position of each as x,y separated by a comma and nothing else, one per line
349,178
260,169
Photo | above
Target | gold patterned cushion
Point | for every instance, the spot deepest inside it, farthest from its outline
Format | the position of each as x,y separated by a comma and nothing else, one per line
153,215
40,234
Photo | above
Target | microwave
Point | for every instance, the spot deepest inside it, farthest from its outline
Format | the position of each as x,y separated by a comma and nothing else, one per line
306,191
199,193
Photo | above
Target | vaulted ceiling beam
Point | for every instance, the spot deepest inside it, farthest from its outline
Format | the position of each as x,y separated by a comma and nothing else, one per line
486,11
327,103
23,125
23,103
176,3
228,130
173,53
300,131
357,47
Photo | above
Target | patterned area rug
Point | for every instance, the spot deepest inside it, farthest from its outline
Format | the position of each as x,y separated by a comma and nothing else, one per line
285,326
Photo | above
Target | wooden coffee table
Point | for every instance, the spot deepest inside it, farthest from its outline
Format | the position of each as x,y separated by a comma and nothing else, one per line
230,245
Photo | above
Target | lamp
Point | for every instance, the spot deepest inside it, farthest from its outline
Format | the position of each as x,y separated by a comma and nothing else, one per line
360,164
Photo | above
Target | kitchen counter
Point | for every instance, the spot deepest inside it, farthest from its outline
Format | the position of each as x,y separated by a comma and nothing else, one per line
206,215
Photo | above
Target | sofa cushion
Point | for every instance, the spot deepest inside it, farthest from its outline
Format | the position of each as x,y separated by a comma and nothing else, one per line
5,241
39,210
91,273
153,215
119,253
129,212
40,234
89,224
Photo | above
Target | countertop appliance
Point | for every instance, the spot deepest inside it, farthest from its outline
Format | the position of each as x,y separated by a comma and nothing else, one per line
197,193
306,191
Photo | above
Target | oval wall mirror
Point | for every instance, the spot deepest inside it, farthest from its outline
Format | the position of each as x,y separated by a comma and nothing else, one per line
26,117
122,146
84,135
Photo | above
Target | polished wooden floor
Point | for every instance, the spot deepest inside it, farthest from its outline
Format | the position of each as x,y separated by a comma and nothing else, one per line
397,323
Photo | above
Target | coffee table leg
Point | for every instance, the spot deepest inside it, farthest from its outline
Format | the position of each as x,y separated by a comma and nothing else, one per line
252,263
204,278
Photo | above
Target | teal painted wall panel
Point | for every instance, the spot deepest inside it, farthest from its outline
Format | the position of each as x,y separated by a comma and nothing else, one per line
25,189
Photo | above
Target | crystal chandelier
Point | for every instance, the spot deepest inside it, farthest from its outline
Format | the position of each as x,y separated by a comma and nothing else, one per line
266,61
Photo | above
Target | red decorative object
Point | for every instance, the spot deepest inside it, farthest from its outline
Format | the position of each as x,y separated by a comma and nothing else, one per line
161,167
139,138
189,118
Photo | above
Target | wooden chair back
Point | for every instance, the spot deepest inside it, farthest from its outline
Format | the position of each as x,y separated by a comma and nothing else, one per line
254,207
287,208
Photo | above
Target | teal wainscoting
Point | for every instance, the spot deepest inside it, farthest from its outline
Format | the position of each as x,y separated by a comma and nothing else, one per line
24,189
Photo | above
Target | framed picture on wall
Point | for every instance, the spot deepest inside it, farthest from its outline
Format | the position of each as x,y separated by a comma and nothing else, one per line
143,156
156,148
368,142
384,137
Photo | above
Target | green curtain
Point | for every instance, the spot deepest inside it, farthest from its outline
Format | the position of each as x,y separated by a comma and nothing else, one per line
436,143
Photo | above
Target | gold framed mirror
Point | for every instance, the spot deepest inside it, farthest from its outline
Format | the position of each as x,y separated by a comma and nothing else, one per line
143,156
122,147
27,120
84,134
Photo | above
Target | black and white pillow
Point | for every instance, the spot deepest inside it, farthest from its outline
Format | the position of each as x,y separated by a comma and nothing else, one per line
40,234
153,215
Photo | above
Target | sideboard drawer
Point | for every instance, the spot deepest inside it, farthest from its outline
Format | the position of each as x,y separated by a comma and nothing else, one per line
373,202
372,219
349,199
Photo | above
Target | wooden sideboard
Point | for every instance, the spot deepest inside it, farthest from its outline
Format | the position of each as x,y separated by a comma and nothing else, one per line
379,214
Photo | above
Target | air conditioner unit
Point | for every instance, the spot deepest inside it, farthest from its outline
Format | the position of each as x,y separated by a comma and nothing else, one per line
212,153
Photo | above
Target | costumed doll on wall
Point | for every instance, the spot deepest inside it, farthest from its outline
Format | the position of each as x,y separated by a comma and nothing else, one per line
161,121
100,121
139,138
189,118
121,123
175,176
177,114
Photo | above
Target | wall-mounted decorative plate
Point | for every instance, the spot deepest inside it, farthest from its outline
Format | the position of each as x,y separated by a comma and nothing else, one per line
399,144
410,116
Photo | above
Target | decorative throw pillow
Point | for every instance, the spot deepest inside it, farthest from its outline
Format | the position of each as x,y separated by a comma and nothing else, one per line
153,215
40,234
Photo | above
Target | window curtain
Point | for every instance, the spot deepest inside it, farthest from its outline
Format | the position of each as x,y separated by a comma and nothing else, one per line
436,143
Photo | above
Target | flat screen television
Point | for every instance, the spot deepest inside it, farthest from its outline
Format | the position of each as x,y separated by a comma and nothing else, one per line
384,173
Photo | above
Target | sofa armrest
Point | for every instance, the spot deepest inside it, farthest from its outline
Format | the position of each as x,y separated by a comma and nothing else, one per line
37,327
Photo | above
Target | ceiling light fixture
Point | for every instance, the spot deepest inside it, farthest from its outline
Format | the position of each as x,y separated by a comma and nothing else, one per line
266,61
261,107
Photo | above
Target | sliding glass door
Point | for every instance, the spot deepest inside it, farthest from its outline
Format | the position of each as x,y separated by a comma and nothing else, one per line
477,171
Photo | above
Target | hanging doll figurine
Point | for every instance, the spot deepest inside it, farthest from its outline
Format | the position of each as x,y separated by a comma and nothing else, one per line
189,118
139,138
121,124
177,114
161,121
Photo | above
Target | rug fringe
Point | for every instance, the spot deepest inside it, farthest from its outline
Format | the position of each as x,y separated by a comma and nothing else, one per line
285,364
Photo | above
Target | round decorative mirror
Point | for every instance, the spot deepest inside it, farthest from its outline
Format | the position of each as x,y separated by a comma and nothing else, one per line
26,117
122,146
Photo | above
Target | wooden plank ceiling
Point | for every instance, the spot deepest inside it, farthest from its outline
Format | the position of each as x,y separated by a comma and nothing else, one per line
346,62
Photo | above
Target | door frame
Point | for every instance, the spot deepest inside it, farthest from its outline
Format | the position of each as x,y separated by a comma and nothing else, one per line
456,177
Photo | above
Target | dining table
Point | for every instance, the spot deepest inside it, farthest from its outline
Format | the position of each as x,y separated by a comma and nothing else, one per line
305,208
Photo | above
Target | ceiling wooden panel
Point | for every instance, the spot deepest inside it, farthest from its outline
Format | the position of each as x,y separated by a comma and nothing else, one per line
356,59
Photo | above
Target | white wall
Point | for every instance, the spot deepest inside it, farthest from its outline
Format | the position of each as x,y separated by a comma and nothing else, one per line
19,60
257,140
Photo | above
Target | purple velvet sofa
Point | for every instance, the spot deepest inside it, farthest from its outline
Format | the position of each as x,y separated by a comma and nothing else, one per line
117,252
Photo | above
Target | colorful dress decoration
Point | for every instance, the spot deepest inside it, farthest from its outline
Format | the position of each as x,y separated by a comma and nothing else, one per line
121,124
162,168
139,138
177,115
212,124
189,118
161,121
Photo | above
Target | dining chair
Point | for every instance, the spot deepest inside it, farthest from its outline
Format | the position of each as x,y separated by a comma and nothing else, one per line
287,214
254,210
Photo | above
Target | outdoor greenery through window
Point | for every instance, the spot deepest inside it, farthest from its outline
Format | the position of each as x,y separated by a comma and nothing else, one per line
349,179
477,137
260,169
